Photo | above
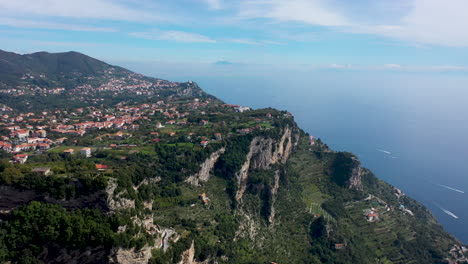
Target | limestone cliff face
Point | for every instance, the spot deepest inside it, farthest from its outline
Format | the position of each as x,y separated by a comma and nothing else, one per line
263,153
204,174
163,238
189,89
130,256
355,181
116,202
274,191
188,257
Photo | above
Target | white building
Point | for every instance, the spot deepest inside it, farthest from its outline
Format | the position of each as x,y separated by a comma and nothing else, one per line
86,152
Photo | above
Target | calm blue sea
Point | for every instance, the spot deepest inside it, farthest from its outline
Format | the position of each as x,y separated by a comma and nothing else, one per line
410,129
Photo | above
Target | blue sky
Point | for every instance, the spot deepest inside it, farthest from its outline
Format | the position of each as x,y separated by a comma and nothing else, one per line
359,35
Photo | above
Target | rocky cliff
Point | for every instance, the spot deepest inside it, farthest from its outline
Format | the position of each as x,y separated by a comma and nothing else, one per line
355,181
263,153
205,168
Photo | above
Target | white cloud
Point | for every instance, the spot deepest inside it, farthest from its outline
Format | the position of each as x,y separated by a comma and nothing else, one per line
214,4
415,68
393,66
438,22
244,41
450,68
21,23
62,44
427,22
434,22
254,42
180,36
95,9
339,66
271,42
172,35
314,12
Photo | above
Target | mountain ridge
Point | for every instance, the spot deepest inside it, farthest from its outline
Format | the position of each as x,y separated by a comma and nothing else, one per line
49,78
45,62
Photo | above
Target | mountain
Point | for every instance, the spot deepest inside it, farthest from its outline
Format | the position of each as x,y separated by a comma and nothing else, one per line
50,63
142,170
72,79
53,66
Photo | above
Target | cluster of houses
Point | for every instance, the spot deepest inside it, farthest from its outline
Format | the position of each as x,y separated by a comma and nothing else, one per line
25,139
41,131
405,210
205,200
238,108
311,140
372,215
23,157
29,131
132,82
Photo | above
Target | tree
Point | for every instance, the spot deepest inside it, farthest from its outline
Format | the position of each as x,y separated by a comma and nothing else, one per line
4,164
11,175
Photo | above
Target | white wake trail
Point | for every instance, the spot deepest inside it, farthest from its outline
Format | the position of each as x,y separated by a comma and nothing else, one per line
384,151
450,188
446,211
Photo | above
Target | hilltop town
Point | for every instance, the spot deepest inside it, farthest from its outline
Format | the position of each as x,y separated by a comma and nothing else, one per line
126,128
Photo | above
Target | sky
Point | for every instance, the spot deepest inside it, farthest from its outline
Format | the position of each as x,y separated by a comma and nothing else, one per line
206,36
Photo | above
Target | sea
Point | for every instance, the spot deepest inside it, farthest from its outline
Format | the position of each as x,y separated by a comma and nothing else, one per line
409,128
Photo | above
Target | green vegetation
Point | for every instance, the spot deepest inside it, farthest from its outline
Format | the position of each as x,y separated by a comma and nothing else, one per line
140,191
32,227
314,210
230,163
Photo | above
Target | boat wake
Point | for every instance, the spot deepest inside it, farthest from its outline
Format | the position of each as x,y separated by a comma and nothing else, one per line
384,151
450,188
446,211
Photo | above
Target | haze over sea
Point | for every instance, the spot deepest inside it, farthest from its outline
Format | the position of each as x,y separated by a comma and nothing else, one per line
409,128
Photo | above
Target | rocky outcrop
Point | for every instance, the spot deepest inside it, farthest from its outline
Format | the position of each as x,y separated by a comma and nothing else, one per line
163,237
116,201
274,191
457,254
147,181
249,226
188,256
205,168
263,153
132,256
189,89
168,235
355,180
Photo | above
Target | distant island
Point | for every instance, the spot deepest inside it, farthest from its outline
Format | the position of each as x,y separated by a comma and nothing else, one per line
103,165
